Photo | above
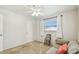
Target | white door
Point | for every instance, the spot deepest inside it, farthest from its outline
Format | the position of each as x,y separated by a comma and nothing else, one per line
1,32
29,31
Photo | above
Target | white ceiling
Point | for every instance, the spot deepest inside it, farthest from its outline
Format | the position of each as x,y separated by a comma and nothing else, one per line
52,9
47,9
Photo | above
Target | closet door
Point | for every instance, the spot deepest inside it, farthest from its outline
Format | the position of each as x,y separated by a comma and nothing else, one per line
1,32
29,31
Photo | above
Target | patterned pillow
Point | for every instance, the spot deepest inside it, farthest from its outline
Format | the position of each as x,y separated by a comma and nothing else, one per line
73,47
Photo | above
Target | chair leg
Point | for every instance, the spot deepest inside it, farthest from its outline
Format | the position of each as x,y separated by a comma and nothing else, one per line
44,41
49,42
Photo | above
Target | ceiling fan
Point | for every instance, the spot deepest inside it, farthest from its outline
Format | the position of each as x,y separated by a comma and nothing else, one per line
34,10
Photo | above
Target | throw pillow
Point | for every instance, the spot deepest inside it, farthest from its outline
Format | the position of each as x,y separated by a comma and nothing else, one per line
62,49
73,47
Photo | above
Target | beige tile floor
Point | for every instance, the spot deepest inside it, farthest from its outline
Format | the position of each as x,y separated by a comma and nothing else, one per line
28,48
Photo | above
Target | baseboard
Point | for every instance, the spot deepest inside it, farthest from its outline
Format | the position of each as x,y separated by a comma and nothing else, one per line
17,45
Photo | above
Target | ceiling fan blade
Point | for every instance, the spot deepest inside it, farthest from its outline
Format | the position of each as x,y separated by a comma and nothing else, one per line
28,11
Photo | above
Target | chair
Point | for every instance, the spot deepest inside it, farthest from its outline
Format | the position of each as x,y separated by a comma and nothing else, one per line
47,40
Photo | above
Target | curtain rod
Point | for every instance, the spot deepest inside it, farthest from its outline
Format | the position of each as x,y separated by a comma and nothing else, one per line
50,18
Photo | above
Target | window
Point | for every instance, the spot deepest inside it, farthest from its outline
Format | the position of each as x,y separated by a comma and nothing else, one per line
50,24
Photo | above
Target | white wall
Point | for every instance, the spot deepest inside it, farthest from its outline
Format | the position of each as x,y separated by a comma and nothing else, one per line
35,29
15,26
69,25
78,23
38,29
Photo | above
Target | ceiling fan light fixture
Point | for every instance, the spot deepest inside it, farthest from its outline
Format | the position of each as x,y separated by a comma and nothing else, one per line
36,10
34,13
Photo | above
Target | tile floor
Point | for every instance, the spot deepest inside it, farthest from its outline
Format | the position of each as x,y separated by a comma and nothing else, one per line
28,48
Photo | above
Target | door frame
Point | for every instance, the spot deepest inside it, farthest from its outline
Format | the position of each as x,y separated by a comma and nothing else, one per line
1,48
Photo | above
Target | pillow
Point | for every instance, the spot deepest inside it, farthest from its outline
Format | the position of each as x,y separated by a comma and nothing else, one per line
52,50
73,47
62,49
